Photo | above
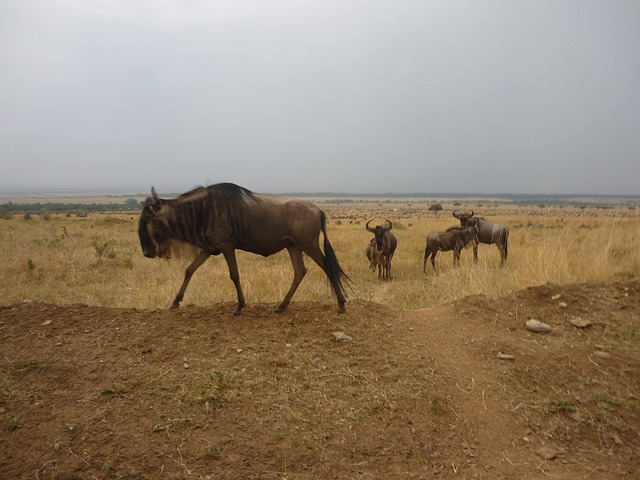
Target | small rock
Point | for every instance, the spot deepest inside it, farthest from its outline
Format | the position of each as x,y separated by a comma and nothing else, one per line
576,416
46,322
602,354
537,326
579,322
556,296
504,356
562,305
616,439
185,365
548,453
342,337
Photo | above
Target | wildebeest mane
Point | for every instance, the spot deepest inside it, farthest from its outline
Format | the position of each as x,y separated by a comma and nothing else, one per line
194,211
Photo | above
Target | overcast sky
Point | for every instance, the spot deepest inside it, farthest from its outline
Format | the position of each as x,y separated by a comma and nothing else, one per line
335,96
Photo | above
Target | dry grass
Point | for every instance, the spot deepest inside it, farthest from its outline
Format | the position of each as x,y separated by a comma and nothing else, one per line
97,261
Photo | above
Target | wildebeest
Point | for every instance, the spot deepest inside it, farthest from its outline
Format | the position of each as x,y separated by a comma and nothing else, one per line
488,233
455,238
372,254
386,244
221,218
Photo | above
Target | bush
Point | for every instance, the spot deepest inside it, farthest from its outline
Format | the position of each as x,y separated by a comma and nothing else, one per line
5,214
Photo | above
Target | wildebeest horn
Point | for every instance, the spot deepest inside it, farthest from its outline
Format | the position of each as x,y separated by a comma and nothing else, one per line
154,194
457,215
369,229
471,215
390,224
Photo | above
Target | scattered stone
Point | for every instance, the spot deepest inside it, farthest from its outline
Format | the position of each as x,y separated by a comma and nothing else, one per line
616,439
556,296
576,416
46,322
342,337
602,354
185,365
548,452
562,305
537,326
504,356
579,322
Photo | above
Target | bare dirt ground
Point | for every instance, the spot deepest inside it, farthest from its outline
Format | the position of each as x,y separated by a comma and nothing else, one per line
92,392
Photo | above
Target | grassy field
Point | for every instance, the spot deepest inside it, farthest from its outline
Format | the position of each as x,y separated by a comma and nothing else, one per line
97,260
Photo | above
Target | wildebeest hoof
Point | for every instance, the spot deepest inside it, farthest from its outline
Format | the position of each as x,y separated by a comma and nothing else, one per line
342,309
237,312
280,308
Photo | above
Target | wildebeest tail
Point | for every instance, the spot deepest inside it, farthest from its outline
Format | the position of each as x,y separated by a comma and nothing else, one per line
505,240
337,276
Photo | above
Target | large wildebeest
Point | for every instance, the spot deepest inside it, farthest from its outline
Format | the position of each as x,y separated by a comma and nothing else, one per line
455,238
386,244
488,233
225,217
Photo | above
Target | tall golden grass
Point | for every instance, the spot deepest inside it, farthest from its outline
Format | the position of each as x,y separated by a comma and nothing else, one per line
98,261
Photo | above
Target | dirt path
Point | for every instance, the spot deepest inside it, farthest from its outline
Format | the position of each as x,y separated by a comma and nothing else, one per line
94,392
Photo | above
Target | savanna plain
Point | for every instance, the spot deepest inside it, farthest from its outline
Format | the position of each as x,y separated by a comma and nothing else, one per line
433,375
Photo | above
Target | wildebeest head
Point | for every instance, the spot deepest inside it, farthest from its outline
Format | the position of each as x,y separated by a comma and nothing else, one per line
153,229
379,232
464,217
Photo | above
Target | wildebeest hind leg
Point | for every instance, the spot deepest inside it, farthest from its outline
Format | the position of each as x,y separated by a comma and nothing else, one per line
317,256
299,271
191,269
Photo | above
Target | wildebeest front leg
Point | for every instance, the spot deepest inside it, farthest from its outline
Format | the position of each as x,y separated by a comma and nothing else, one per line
200,259
232,263
299,271
475,253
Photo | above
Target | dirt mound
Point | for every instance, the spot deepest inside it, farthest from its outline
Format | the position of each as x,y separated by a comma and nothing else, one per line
92,392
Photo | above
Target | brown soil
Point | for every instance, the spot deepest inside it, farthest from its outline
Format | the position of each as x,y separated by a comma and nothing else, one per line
93,392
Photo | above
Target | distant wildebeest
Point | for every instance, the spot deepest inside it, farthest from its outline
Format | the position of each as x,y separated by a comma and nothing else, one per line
222,218
488,233
386,244
455,238
372,254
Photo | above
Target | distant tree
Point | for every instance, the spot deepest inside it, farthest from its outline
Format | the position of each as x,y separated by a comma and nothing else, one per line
435,207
